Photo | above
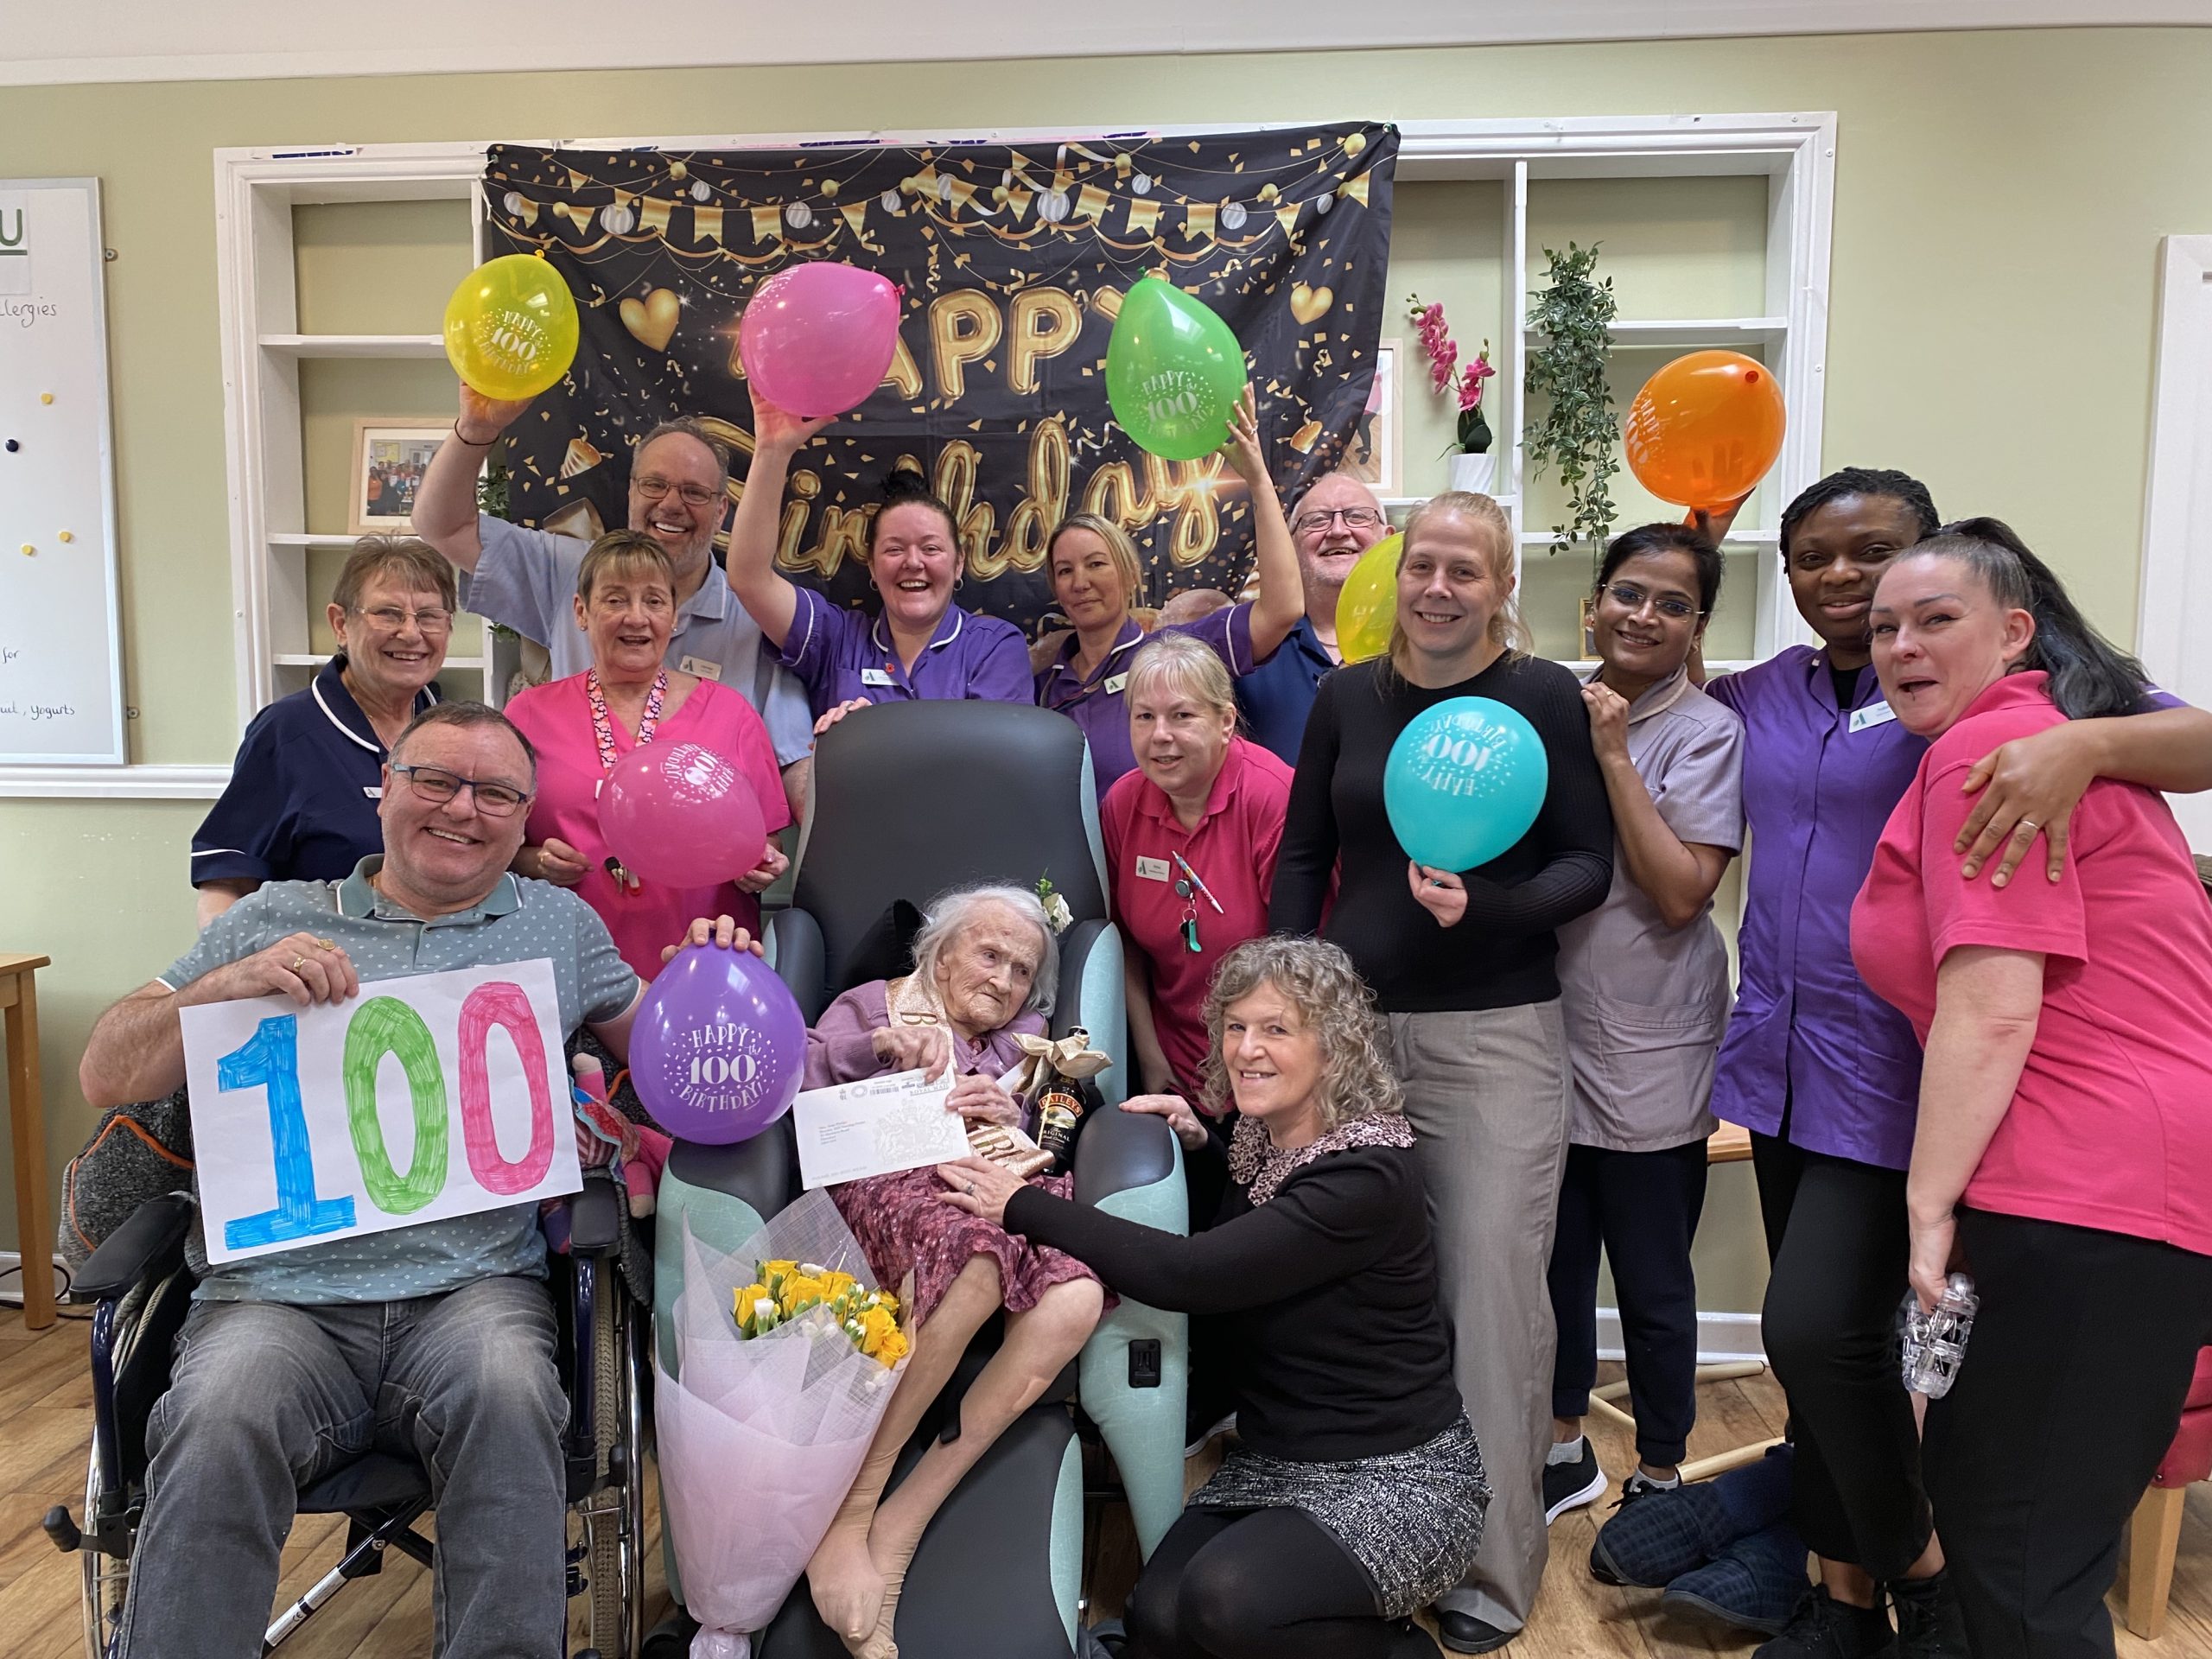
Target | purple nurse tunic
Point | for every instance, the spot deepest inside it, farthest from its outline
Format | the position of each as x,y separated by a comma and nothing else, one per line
841,654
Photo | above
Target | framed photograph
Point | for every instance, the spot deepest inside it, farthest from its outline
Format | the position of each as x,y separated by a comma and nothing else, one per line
1372,456
389,458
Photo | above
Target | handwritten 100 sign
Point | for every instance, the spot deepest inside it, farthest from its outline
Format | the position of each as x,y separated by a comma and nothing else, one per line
421,1098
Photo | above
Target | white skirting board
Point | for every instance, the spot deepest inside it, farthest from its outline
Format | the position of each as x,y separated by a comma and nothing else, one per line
1721,1337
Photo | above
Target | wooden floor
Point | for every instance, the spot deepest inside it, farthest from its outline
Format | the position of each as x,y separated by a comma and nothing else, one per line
45,1428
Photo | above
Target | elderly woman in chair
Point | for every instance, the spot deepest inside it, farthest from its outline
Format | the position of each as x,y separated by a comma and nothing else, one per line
985,967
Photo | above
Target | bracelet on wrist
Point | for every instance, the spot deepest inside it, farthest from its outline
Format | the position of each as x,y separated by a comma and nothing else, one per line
474,443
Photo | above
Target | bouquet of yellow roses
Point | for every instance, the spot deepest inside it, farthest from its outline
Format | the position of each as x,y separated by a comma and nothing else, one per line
781,1291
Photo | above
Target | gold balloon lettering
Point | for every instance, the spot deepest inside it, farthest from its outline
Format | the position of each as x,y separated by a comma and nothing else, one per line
904,373
1030,526
1044,323
965,328
955,485
1112,493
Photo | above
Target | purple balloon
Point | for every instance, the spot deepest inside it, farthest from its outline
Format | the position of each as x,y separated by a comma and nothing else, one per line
719,1046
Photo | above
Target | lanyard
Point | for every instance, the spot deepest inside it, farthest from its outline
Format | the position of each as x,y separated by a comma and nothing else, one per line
602,725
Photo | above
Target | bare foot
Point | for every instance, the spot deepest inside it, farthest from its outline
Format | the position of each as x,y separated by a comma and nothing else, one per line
847,1589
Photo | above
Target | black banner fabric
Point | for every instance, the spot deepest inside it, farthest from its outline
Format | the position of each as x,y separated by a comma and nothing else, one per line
1012,259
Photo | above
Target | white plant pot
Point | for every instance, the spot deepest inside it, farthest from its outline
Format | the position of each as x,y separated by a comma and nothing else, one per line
1473,474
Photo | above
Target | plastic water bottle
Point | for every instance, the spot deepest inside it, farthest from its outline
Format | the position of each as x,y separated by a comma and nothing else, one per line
1935,1339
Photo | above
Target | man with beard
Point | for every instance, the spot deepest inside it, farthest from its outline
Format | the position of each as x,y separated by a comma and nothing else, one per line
527,579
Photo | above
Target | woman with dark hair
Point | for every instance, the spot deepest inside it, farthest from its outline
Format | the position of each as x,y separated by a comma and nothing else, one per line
1462,965
1644,983
1356,1493
2063,1147
921,647
1826,1075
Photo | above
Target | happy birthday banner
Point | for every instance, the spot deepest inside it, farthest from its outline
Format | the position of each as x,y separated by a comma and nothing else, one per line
1013,260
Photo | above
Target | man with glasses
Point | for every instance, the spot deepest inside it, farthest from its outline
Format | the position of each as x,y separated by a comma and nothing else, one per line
527,579
434,1341
1334,522
302,801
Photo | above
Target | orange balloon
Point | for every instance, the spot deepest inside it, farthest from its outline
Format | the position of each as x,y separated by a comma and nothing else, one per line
1704,429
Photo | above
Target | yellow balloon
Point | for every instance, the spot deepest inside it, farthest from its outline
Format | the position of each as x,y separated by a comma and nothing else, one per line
1368,604
511,328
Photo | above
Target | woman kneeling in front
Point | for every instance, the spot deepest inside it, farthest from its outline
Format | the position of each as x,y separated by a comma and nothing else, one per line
1357,1495
2064,1141
986,965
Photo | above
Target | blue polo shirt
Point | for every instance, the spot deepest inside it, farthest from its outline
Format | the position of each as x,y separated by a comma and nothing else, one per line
1276,694
302,801
839,654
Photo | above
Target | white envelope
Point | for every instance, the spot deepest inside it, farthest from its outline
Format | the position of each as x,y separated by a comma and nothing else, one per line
875,1127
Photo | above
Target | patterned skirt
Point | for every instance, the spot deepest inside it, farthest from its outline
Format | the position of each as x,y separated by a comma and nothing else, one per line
904,1225
1413,1519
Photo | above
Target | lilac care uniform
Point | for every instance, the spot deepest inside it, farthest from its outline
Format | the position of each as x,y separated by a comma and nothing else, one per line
841,654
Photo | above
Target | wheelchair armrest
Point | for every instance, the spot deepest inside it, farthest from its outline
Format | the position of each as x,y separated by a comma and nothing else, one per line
792,939
151,1241
594,1215
1092,996
1121,1151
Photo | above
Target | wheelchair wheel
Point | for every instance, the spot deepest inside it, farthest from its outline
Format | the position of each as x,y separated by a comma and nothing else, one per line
107,1577
615,1516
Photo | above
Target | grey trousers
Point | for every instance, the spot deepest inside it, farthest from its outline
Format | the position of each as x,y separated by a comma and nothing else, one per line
267,1398
1487,1095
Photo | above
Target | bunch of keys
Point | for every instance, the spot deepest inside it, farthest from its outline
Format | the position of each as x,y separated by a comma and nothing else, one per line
625,883
1190,889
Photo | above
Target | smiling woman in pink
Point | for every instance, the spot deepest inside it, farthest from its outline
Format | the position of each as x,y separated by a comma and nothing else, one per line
2062,1153
625,605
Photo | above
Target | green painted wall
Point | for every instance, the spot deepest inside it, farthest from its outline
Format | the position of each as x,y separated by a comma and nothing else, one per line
1999,202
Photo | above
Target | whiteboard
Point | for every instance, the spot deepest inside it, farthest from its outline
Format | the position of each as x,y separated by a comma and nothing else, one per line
60,667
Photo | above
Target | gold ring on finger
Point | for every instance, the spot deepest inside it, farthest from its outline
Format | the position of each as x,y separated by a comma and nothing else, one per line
298,963
327,944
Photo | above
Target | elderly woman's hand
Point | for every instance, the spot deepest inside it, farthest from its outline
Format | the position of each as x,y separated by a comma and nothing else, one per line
1176,1110
980,1099
910,1048
553,859
723,931
766,873
979,1186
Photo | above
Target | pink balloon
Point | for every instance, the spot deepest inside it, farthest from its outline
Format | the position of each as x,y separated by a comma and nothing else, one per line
719,1046
679,813
817,339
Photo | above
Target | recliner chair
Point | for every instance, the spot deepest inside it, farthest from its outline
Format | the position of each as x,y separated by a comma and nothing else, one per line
910,799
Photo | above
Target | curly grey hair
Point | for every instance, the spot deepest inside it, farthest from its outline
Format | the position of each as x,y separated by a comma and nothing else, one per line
953,910
1332,1001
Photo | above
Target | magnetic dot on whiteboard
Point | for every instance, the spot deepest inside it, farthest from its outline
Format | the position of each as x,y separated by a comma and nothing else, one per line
29,549
46,397
66,536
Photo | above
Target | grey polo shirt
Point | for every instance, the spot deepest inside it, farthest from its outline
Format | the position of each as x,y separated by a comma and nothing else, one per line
526,580
1645,1003
518,921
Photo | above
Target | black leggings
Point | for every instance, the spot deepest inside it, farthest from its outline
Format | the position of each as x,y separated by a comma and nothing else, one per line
1261,1584
2067,1400
1836,1231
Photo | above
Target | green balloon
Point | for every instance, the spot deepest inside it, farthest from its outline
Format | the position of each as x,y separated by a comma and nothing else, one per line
1174,371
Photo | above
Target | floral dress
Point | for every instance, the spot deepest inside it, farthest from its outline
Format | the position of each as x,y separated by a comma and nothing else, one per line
901,1220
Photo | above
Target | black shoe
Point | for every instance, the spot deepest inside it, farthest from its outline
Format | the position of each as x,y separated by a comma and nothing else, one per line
1571,1485
1931,1622
1656,1534
1824,1628
1464,1633
1755,1584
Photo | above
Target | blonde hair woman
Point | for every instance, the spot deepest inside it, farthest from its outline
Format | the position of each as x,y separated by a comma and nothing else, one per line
1356,1493
1461,961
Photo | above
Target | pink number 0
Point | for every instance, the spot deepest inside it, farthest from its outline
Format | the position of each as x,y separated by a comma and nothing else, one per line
502,1004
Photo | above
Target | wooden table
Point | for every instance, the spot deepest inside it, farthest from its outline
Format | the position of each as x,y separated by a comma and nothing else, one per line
27,1123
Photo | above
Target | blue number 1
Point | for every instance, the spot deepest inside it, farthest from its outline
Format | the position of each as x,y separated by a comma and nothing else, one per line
271,1060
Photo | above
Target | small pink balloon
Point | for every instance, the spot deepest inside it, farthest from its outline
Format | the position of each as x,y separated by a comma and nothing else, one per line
817,339
680,814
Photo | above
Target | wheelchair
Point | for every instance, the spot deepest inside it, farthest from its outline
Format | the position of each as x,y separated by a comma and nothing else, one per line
139,1281
910,799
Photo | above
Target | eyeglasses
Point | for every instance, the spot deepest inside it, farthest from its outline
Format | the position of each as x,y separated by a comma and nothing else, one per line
1630,597
436,784
391,618
1354,518
694,495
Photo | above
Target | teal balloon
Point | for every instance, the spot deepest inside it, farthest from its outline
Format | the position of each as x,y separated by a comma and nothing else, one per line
1174,371
1463,782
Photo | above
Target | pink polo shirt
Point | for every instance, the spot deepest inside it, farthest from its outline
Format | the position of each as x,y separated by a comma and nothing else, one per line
2111,1125
1233,850
556,719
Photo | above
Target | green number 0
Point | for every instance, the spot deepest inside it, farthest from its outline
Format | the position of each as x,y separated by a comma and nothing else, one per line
387,1026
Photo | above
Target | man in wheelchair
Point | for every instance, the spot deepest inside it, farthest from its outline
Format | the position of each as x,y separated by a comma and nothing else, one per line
434,1342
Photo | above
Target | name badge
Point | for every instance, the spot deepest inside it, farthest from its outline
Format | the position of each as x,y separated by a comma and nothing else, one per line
1153,869
374,791
1115,684
704,669
1874,713
875,676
